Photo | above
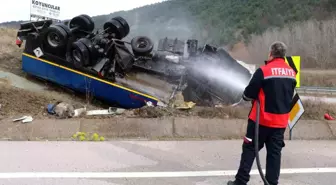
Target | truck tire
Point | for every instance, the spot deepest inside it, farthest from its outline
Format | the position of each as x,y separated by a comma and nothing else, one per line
80,54
56,37
124,23
82,22
65,28
142,45
115,27
93,51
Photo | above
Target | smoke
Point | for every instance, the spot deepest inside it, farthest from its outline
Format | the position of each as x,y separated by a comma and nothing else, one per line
174,23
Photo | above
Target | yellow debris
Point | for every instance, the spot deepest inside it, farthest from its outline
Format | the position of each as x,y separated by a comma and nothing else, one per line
179,103
82,136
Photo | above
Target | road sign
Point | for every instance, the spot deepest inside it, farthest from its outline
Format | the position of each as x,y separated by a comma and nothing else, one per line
297,109
296,112
294,62
44,10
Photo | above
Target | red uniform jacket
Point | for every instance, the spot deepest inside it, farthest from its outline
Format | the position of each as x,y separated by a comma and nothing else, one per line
273,84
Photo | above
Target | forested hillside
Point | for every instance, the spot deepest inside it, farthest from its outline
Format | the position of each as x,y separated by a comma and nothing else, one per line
220,21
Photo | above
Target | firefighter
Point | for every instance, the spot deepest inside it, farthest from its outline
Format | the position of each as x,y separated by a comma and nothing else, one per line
273,85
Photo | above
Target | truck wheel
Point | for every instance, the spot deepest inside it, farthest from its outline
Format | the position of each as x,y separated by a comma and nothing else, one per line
93,51
65,28
82,22
56,37
114,26
124,23
141,45
80,54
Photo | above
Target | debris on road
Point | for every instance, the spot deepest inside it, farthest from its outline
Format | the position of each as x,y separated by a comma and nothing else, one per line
65,110
149,104
79,112
328,117
179,103
24,119
110,111
61,110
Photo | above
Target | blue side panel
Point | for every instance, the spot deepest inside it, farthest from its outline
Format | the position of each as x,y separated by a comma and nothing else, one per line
78,82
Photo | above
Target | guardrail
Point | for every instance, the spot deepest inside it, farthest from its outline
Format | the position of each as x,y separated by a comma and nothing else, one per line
316,90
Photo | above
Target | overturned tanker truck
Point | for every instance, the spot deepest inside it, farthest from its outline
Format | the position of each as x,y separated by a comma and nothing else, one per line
129,74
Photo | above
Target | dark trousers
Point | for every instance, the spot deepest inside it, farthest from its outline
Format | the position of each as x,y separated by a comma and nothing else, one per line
273,138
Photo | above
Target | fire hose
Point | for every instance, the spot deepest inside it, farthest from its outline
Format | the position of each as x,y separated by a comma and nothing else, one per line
256,144
256,141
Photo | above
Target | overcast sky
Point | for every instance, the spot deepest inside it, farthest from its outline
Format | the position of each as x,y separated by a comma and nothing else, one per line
13,10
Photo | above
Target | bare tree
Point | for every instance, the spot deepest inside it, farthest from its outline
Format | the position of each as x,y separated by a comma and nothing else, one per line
313,40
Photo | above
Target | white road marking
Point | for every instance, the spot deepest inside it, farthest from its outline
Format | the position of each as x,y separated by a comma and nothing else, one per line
20,175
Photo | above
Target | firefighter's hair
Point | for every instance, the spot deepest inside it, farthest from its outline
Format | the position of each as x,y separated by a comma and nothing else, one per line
278,49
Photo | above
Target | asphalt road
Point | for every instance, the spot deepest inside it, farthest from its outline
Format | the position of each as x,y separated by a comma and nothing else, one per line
173,158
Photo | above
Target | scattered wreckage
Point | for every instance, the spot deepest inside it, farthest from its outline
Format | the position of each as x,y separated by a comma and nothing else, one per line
129,74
